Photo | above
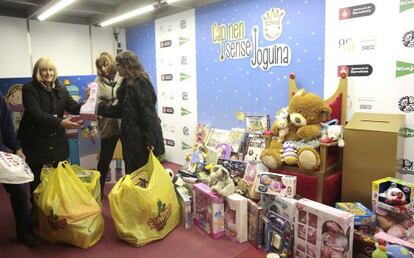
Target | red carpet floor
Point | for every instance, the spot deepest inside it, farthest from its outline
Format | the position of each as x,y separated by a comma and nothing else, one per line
180,243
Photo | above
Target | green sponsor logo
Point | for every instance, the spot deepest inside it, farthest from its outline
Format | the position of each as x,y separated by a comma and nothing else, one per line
184,76
407,132
404,68
183,40
184,112
185,146
406,4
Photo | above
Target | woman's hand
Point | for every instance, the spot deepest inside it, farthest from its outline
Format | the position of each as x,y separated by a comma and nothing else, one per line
20,153
150,148
68,124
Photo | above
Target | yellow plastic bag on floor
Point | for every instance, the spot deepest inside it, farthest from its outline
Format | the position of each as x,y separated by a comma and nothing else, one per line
143,204
67,211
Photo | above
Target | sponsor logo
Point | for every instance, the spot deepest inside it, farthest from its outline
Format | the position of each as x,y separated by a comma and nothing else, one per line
272,23
184,95
185,146
168,110
167,96
346,45
356,11
169,142
166,77
183,60
186,130
368,44
407,132
365,106
164,212
184,76
405,167
403,69
165,43
183,40
183,24
185,112
355,70
406,104
408,39
406,5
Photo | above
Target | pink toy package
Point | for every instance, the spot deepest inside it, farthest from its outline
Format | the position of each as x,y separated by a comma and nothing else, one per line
322,231
235,219
276,184
208,210
88,110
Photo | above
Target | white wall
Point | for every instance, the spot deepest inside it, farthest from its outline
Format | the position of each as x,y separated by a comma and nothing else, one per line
71,46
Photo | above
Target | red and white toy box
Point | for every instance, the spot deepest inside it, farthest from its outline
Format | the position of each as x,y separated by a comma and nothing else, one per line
235,219
322,231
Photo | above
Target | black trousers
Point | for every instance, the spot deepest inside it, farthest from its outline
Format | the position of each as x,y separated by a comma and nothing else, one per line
105,157
36,170
19,199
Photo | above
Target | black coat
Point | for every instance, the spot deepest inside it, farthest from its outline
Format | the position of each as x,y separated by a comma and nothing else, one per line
42,137
140,124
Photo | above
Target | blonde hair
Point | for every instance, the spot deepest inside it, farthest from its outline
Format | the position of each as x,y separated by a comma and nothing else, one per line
105,59
128,59
42,64
13,89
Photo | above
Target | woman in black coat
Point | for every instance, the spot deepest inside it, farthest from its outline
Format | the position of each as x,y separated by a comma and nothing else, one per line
42,128
140,125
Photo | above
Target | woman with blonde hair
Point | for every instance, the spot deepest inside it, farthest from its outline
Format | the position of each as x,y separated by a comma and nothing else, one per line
108,81
140,125
42,128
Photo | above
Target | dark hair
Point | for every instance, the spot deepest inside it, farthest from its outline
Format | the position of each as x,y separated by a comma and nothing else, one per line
130,61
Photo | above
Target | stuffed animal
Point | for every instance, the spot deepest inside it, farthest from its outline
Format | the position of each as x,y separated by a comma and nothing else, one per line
271,156
396,251
220,181
333,133
289,153
307,111
280,127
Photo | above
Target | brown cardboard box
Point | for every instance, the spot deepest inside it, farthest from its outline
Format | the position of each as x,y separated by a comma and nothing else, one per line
372,150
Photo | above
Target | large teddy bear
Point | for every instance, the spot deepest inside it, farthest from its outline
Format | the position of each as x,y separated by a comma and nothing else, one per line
306,112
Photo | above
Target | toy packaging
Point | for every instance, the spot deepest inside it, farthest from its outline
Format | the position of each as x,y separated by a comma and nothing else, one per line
322,231
279,235
185,206
283,206
208,210
236,168
392,201
255,226
276,184
235,218
88,110
256,143
364,244
363,216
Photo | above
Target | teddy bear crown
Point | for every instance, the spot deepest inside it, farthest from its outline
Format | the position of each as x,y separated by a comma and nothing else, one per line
273,16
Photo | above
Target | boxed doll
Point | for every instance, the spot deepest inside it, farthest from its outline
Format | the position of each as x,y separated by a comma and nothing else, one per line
88,110
208,210
235,218
236,168
279,235
185,206
283,206
363,216
255,227
322,231
276,184
392,201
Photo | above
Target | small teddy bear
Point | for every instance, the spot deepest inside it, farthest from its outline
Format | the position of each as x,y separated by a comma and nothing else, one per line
282,123
220,181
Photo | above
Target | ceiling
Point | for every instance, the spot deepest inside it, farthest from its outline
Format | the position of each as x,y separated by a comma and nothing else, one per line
91,12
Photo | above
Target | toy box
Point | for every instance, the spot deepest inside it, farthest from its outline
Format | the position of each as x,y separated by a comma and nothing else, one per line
364,244
393,195
283,206
236,168
279,235
235,218
363,216
255,227
208,210
392,201
322,231
88,110
185,206
276,184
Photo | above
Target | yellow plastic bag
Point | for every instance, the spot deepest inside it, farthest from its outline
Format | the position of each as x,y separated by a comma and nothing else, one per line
67,210
89,178
144,205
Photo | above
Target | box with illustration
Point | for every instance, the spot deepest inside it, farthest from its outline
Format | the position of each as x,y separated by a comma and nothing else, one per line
283,206
235,218
276,184
363,215
255,226
322,231
208,210
184,200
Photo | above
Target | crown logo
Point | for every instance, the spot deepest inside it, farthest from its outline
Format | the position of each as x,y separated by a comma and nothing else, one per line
272,23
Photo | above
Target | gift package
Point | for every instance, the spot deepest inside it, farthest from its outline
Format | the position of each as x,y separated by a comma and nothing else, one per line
235,219
322,231
208,210
255,226
184,200
276,184
278,236
281,205
88,110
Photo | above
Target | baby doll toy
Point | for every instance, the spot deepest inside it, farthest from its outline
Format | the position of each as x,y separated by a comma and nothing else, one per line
334,241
